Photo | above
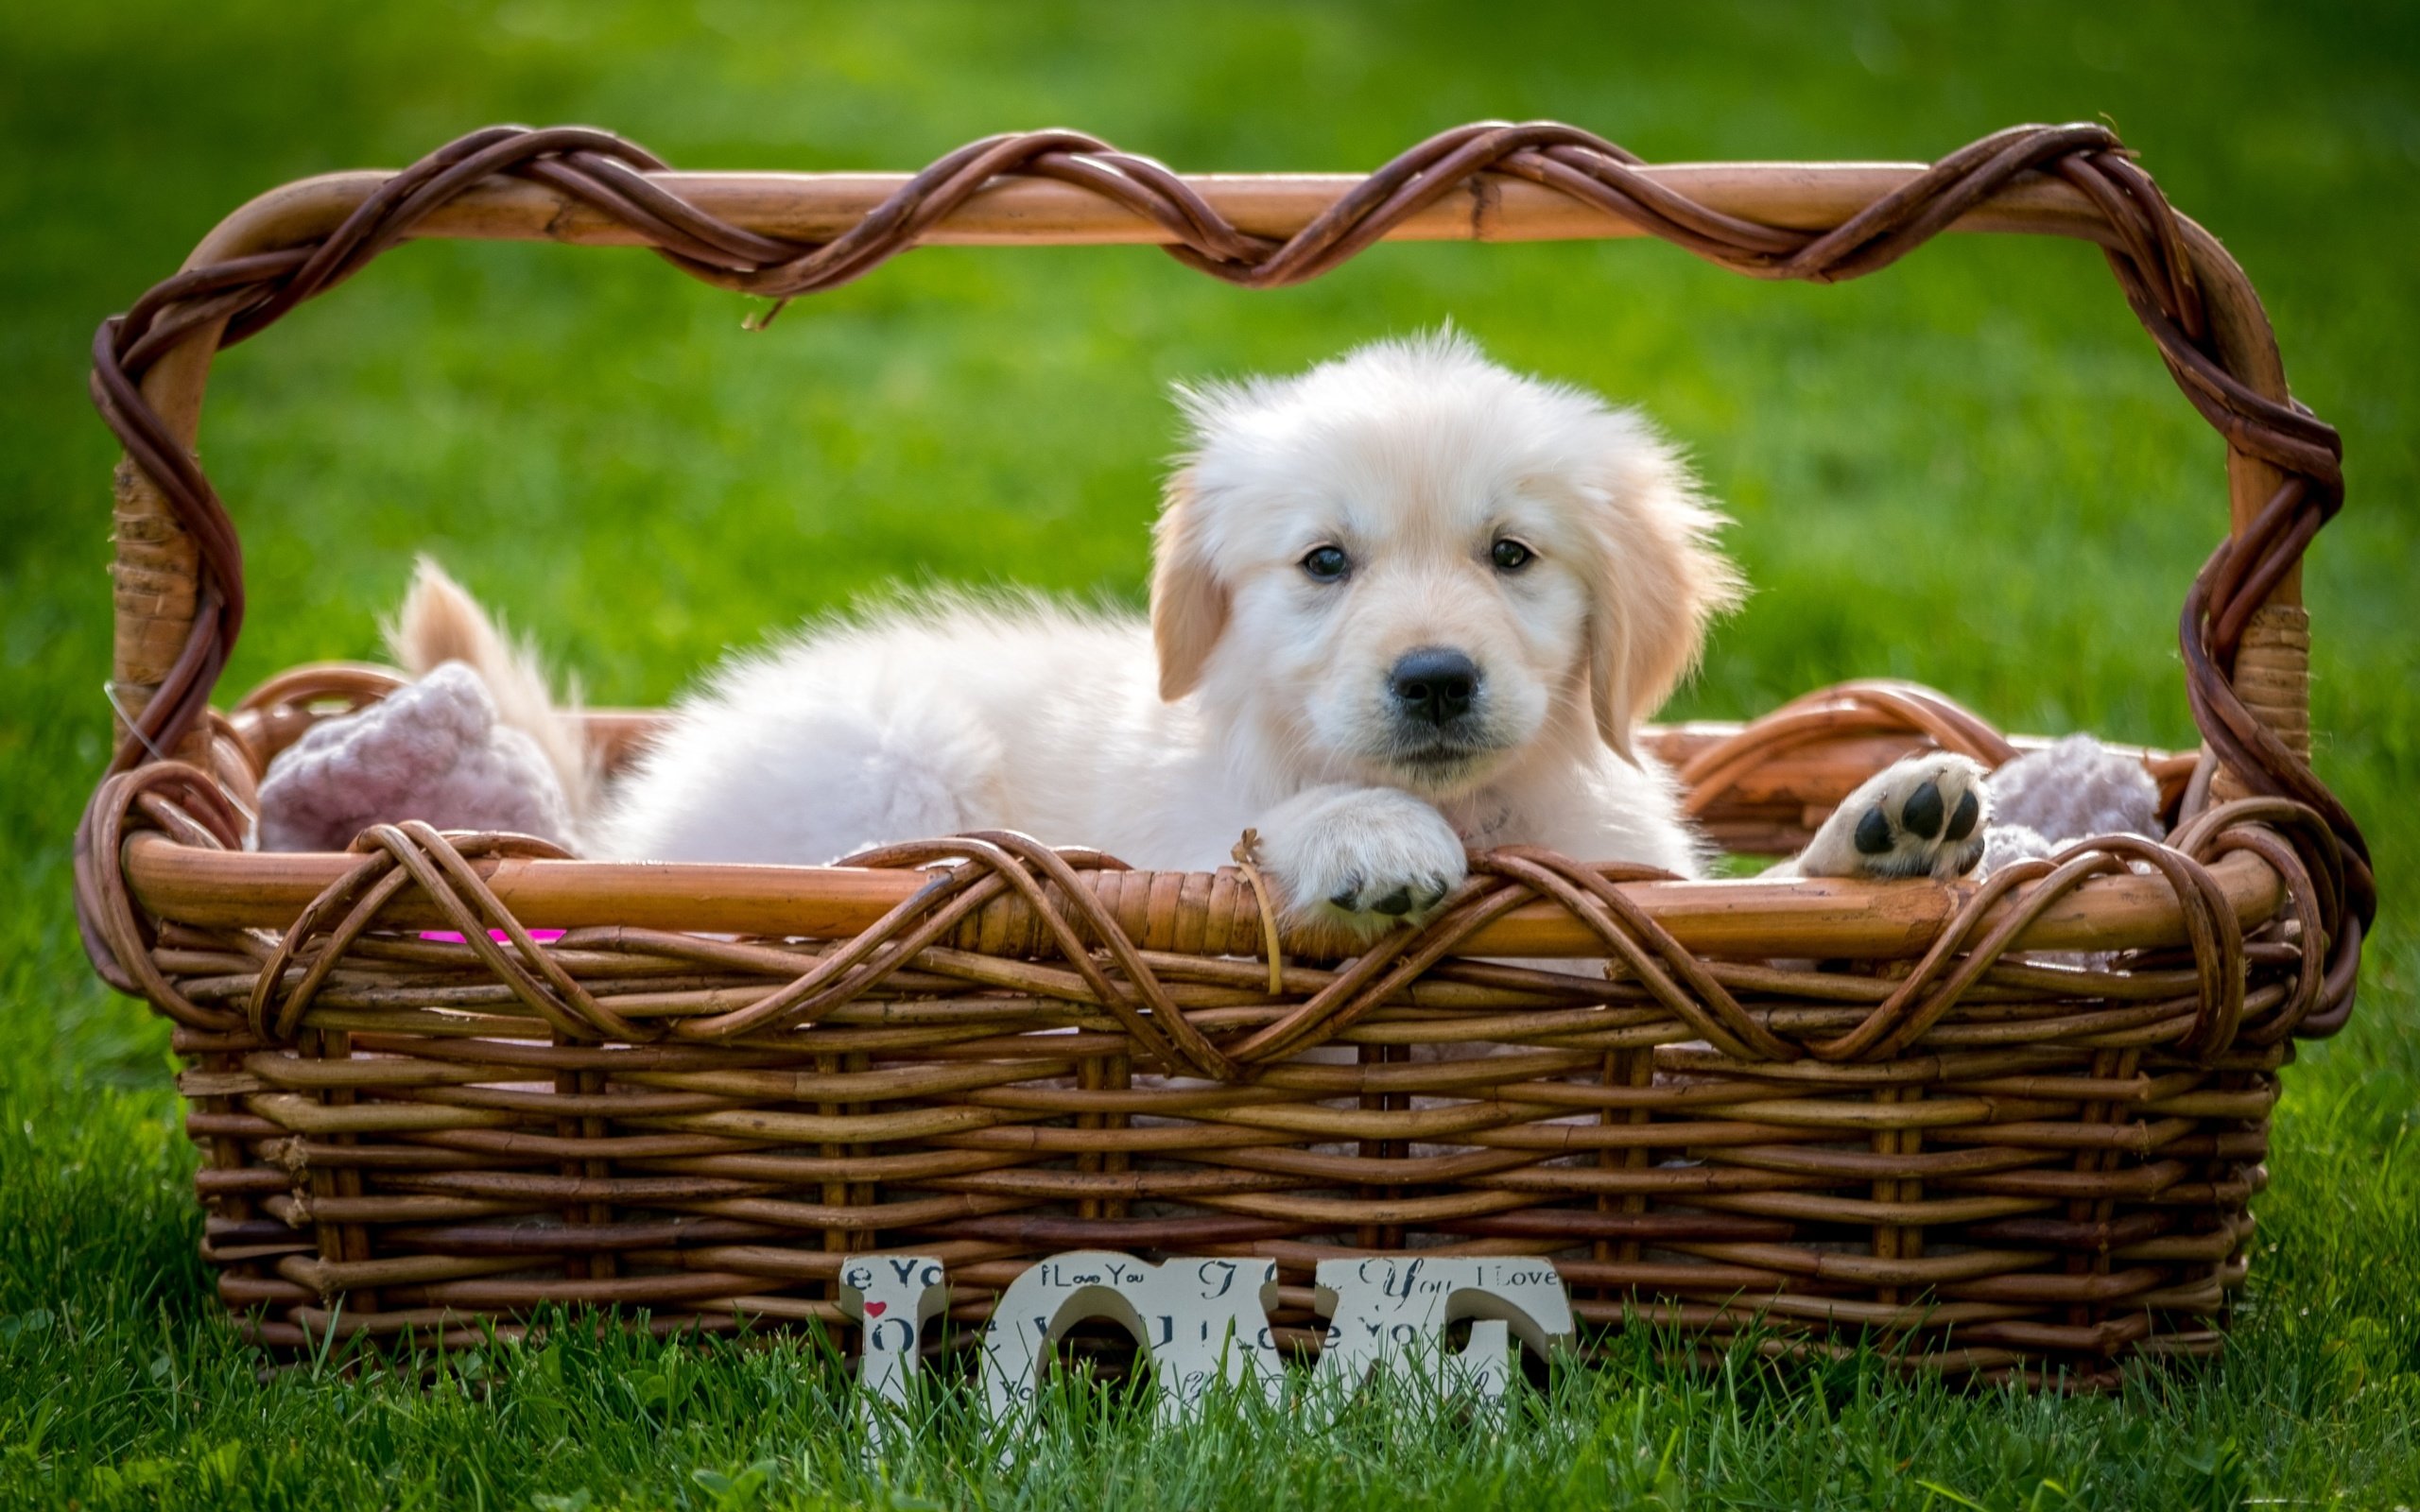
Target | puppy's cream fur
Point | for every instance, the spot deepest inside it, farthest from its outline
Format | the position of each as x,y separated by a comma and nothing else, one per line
1259,696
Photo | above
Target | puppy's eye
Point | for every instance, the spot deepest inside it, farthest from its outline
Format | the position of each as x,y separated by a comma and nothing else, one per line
1511,555
1327,564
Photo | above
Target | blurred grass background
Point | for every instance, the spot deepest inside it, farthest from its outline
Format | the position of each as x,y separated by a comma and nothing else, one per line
1970,470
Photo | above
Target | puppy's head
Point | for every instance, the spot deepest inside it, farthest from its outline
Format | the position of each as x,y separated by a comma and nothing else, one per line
1411,567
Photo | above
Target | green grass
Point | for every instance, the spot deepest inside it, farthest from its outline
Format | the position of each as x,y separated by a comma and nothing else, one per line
1979,439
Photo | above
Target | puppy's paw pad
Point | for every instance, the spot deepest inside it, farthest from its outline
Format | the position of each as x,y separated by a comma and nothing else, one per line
1873,832
1923,817
1921,812
1392,896
1404,899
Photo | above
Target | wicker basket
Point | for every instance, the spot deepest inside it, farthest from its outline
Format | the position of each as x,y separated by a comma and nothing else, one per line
2006,1128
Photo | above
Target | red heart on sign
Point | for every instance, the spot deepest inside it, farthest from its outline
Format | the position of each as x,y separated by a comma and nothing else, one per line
876,1309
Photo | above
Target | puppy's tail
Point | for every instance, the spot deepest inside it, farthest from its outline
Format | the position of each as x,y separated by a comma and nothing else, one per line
441,623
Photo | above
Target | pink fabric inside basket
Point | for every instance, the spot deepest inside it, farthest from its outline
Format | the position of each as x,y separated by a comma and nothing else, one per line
448,937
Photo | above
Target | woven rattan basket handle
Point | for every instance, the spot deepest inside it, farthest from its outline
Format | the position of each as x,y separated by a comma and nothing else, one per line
179,594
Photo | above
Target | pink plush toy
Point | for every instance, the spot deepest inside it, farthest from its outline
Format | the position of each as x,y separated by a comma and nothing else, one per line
431,750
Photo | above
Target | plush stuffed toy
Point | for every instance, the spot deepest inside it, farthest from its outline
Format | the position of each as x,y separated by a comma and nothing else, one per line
2069,790
433,751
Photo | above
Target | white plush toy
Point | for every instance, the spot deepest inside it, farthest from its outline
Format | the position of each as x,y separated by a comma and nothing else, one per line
2068,791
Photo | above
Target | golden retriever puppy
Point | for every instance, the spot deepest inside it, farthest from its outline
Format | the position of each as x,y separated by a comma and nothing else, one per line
1404,603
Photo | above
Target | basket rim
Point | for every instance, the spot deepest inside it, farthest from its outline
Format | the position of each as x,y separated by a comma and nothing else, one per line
1831,917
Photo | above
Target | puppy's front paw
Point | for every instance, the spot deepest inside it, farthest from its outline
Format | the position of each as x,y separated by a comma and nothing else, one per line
1921,816
1368,856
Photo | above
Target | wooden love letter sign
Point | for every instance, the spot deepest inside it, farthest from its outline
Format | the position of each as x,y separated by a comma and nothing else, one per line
1388,1313
1201,1321
1204,1322
894,1297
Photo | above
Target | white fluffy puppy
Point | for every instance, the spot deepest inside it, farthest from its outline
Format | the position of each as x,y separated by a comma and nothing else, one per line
1406,603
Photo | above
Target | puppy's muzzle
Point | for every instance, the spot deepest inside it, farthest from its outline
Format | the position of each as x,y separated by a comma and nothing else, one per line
1433,686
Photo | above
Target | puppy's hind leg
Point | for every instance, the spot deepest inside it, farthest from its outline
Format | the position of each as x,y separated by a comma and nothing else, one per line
1920,816
804,786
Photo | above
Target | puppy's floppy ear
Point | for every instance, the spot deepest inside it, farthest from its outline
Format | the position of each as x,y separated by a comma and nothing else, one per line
1188,602
1659,581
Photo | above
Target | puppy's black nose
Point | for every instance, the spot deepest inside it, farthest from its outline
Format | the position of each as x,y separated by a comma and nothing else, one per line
1434,685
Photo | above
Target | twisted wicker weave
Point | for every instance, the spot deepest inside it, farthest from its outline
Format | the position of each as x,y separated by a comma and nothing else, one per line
719,1081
